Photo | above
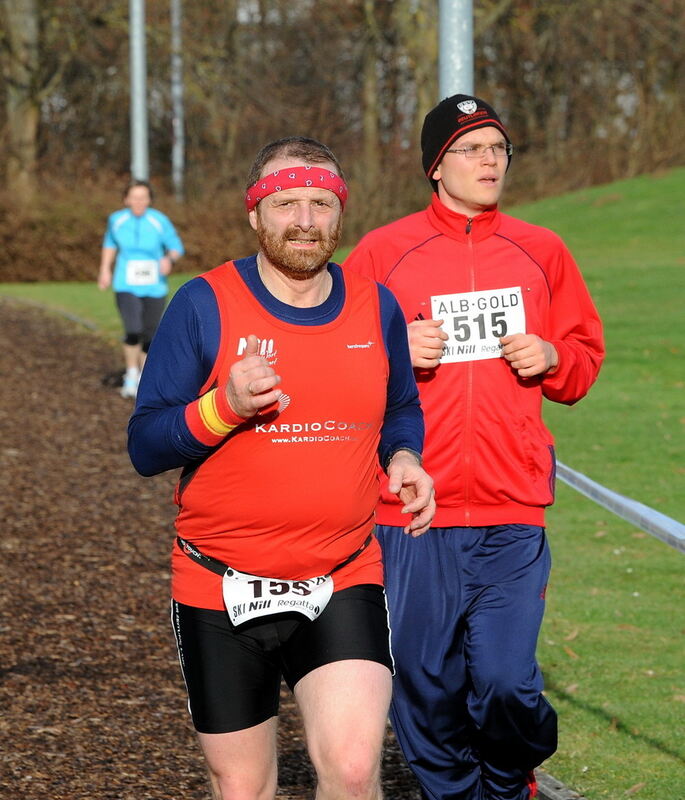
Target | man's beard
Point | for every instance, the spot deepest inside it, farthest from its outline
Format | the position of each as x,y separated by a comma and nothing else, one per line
298,264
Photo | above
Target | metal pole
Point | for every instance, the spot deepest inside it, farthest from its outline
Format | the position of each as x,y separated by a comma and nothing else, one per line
140,168
177,118
456,47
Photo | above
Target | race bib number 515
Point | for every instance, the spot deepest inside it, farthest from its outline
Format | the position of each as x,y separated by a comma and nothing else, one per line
475,321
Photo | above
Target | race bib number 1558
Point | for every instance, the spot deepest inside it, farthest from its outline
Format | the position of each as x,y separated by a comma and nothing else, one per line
475,321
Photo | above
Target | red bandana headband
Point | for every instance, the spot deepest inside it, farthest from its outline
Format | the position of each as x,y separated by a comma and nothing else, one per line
296,178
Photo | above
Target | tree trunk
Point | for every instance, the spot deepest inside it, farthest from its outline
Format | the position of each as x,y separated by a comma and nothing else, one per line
21,67
370,105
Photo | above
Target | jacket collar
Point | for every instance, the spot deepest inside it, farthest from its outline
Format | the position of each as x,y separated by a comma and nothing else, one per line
455,225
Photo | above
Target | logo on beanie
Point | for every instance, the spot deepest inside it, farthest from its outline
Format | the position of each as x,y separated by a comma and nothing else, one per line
467,106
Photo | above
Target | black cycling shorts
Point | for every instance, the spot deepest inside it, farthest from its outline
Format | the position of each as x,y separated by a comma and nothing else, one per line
233,675
140,315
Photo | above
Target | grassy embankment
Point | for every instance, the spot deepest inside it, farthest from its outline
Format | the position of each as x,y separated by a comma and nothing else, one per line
612,645
612,642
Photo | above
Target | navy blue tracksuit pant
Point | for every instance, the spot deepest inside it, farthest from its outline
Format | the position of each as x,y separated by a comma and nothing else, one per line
466,605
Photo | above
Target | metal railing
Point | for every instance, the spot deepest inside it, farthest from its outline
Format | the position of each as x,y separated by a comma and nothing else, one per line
647,519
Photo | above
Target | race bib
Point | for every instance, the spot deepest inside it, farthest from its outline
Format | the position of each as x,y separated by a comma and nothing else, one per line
474,322
142,272
250,596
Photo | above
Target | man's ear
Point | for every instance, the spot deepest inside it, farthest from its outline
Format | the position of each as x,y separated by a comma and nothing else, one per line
252,217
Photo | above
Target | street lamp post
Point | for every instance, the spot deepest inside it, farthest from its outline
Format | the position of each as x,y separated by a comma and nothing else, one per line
140,164
456,47
177,119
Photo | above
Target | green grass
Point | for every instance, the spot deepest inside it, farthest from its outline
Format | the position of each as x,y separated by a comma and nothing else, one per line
629,239
84,301
612,642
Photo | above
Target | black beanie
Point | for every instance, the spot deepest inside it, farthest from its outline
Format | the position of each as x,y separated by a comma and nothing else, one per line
451,118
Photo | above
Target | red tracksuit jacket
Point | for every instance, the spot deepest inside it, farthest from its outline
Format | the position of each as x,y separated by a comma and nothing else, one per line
487,448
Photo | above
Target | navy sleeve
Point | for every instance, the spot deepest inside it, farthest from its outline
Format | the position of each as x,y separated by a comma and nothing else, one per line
403,426
180,360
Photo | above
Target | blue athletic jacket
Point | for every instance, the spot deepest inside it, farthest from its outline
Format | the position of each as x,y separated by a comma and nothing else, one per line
140,243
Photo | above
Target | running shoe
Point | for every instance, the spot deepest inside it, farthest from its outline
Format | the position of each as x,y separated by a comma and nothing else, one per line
532,785
129,388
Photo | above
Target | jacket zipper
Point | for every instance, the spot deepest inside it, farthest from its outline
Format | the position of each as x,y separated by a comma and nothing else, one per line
468,429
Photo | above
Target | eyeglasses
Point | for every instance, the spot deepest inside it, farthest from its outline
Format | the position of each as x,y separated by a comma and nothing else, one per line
479,150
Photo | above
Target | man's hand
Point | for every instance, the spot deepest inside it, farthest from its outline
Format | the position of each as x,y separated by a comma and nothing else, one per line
529,355
251,383
414,486
426,339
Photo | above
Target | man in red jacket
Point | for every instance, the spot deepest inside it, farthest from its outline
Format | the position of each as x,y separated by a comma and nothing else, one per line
498,317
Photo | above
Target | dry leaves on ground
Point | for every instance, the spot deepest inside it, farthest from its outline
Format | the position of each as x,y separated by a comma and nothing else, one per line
92,700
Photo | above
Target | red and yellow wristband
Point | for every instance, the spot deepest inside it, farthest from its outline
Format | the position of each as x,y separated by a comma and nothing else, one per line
210,418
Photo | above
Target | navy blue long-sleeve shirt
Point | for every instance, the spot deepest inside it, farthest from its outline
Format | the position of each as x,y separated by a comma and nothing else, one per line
185,348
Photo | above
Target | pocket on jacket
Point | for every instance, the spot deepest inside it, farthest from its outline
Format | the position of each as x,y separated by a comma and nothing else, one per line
539,455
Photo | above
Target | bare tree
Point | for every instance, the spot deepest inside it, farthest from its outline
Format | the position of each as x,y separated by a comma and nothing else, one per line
591,90
586,86
371,100
20,69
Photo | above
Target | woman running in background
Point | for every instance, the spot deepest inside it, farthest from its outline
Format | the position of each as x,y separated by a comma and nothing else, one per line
139,249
